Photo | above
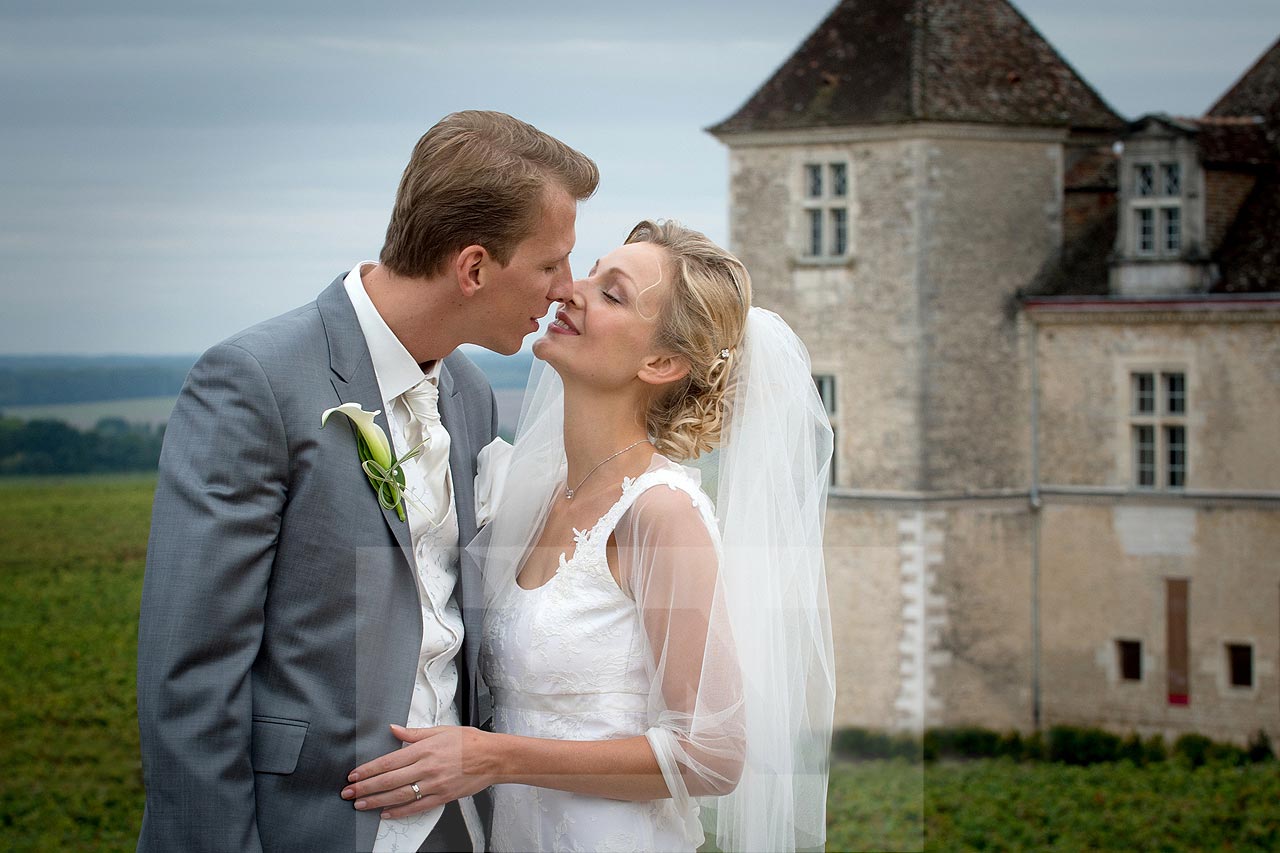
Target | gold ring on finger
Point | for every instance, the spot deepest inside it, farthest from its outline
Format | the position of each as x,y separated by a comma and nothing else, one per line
417,792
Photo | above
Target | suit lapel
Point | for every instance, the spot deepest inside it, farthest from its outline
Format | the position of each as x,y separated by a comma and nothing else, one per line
454,417
468,588
355,382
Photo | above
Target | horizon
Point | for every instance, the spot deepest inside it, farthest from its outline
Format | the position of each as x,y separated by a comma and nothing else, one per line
467,349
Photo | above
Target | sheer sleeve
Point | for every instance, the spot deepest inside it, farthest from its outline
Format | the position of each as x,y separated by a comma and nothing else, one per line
493,463
669,563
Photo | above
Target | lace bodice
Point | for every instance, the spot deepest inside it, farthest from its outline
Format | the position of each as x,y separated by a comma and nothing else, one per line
577,634
570,660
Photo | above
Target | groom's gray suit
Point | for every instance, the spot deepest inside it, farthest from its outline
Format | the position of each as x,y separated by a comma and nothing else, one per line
281,625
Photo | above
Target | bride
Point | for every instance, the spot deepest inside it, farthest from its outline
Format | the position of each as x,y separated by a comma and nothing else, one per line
658,661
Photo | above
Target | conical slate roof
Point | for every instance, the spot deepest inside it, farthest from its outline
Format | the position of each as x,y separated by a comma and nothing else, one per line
892,61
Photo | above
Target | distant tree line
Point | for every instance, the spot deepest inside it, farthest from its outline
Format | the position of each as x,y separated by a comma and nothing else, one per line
27,380
54,447
39,384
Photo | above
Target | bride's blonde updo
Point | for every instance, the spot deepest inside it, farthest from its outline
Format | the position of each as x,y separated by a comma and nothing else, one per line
703,320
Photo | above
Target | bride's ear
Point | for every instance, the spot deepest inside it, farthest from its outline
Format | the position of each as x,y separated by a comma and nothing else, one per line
662,368
468,269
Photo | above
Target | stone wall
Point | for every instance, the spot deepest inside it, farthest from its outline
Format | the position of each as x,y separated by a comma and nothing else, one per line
1233,410
992,216
858,317
1103,571
918,323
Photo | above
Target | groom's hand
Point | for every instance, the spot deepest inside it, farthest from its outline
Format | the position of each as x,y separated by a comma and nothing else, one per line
446,763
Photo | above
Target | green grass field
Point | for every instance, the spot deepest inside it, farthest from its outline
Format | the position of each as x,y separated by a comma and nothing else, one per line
72,552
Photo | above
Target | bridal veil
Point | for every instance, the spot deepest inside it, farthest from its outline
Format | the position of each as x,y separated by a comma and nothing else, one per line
732,600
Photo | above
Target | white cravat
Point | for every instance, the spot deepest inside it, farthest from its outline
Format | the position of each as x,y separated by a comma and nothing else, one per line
422,402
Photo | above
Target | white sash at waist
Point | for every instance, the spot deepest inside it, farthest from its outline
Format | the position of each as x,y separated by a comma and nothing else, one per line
570,703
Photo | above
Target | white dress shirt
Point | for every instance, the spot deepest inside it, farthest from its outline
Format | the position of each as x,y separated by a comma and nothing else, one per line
435,551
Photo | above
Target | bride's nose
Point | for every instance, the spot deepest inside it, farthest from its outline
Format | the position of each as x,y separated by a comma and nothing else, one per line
575,293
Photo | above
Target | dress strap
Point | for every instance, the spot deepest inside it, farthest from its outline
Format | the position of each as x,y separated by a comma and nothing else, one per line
633,488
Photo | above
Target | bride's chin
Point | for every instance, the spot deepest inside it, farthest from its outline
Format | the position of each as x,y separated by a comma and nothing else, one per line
541,346
544,349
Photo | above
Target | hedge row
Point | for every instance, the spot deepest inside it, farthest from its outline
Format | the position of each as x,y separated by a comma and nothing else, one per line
54,447
1061,744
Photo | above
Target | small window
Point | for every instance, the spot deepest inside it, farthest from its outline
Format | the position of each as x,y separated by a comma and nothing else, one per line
839,180
1175,393
1176,447
1144,443
1172,217
1146,230
1155,225
826,210
1129,655
1158,424
1240,662
813,174
1144,179
1144,393
839,230
827,391
1176,641
815,232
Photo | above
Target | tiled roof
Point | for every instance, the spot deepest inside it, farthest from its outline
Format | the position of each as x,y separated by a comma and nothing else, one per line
1249,256
1095,170
1240,133
1234,143
1083,266
1246,122
891,61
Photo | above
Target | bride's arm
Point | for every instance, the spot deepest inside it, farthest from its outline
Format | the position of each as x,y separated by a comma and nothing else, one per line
669,563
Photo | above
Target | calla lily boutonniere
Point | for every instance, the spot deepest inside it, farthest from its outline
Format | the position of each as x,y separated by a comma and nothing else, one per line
385,473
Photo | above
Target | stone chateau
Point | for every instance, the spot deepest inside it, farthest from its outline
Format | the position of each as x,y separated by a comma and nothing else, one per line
1049,341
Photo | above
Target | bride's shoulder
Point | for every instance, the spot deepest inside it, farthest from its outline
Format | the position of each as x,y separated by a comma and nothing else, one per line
663,471
667,494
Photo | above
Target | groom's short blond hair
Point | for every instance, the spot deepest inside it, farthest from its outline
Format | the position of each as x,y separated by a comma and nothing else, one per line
477,178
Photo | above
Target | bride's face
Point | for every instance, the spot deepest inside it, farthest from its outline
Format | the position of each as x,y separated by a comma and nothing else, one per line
603,333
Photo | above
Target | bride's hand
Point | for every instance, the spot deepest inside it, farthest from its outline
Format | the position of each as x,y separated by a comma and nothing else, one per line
446,763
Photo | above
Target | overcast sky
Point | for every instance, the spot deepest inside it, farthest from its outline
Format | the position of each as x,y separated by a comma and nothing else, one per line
171,172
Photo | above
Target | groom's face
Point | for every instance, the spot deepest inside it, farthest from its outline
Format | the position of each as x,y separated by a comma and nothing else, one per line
538,274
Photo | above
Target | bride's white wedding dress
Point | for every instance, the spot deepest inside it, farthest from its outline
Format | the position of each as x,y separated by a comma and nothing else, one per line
571,660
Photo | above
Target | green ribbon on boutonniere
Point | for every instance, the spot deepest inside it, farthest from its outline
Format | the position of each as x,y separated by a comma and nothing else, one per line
385,473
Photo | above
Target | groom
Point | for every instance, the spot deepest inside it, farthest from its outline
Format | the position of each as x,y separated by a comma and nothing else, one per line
287,617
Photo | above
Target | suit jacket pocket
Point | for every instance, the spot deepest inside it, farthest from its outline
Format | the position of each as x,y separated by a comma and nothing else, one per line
276,745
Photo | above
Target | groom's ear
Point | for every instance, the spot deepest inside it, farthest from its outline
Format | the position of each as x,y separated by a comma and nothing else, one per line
660,369
468,268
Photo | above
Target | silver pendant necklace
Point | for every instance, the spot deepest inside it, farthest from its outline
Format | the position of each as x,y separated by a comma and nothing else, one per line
569,493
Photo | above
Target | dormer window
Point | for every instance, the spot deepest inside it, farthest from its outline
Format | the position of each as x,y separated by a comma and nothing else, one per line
1160,241
1156,205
